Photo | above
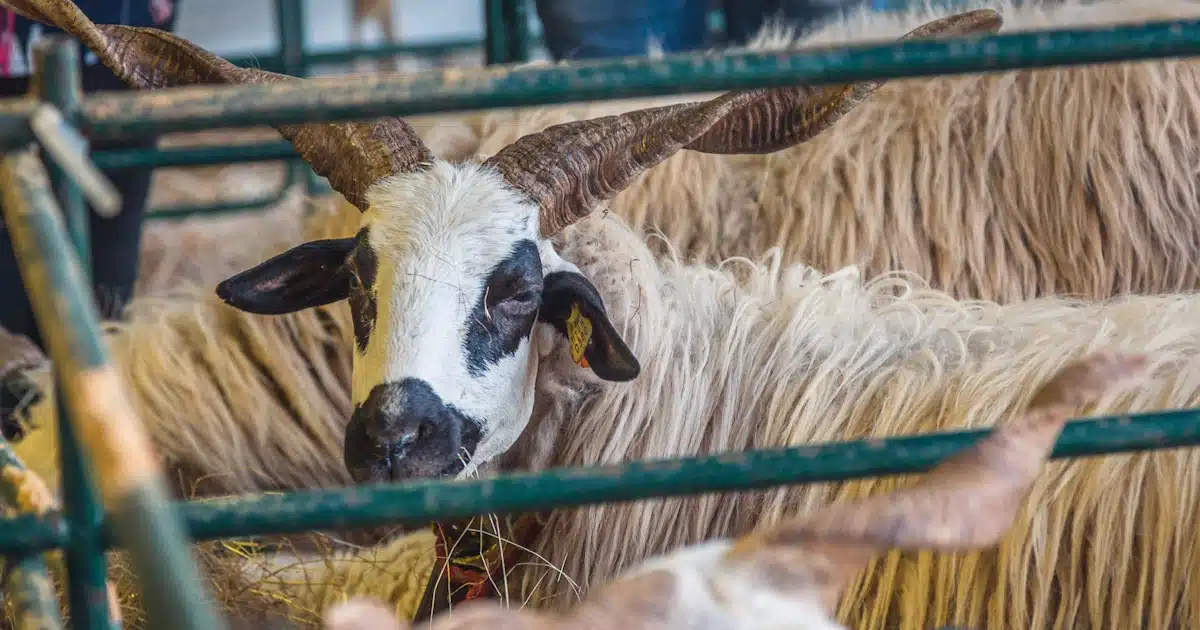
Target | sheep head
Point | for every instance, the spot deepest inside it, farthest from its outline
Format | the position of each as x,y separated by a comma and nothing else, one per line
791,575
455,287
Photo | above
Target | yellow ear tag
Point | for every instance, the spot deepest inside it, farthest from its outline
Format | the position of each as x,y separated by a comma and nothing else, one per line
579,333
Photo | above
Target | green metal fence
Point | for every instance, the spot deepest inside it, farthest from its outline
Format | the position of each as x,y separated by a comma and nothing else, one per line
101,439
507,39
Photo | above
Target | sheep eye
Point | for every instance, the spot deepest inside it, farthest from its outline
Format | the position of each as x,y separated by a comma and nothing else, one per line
522,297
354,282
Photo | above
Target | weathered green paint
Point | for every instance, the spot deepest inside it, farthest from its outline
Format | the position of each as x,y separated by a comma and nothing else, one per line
516,25
498,32
28,586
53,279
340,55
230,207
15,114
26,580
62,304
143,521
194,156
57,81
108,115
87,566
290,24
421,502
512,26
30,533
171,588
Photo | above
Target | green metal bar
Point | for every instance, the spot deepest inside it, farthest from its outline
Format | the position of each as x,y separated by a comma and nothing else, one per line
231,207
58,82
494,34
116,446
421,502
341,55
30,533
27,585
366,96
26,580
290,22
193,156
516,26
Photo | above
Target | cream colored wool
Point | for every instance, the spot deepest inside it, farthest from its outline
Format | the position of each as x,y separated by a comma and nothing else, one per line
789,357
796,357
1002,186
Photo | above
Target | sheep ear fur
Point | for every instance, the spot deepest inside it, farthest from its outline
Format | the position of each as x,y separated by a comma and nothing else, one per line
307,275
574,308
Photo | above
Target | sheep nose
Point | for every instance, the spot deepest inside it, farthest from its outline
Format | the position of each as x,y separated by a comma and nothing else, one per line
403,430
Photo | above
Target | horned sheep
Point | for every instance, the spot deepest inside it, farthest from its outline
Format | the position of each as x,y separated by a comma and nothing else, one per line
1000,186
461,260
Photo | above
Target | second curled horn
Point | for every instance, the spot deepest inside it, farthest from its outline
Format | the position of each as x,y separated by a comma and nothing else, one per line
566,169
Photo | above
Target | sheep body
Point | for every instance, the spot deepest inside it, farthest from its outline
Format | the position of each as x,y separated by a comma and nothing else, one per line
792,357
750,355
854,352
1001,186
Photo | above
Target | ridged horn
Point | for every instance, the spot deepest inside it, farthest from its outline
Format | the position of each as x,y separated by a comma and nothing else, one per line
568,169
352,156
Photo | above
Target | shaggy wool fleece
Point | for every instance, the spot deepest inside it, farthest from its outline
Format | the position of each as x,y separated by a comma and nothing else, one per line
768,354
1070,181
795,357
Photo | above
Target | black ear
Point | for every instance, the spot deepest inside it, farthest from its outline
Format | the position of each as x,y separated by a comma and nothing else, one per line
307,275
573,306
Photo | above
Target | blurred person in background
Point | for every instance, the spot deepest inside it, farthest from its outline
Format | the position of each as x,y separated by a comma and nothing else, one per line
116,241
589,29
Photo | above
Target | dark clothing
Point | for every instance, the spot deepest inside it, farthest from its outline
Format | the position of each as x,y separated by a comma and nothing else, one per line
588,29
116,241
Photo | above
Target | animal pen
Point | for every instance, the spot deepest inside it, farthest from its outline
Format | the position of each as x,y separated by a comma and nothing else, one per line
112,490
507,39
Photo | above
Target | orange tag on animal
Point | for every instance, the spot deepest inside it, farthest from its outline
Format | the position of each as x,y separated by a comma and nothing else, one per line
579,333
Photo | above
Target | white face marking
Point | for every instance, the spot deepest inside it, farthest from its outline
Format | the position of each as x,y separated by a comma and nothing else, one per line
437,235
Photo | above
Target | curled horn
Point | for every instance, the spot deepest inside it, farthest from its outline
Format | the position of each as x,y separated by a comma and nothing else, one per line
568,169
968,501
352,156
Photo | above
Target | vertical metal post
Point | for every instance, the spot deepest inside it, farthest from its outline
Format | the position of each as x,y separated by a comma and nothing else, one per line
506,31
289,20
120,454
291,23
58,82
24,578
516,24
495,46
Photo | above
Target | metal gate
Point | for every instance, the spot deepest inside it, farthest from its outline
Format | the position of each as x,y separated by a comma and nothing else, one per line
106,457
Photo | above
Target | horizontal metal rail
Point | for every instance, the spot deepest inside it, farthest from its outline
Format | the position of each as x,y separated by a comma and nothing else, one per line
421,502
193,156
273,62
138,114
145,523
